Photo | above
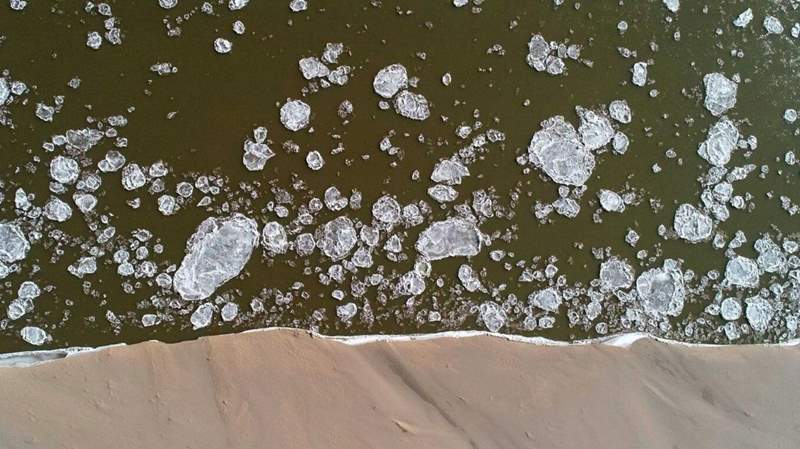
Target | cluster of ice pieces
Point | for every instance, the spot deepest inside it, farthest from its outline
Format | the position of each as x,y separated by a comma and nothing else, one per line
392,81
549,57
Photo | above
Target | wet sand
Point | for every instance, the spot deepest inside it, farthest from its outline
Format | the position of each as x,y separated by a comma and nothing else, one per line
290,389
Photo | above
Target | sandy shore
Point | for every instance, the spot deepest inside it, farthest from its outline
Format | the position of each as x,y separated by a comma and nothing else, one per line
289,389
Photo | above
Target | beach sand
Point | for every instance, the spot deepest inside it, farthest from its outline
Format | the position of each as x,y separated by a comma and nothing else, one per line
290,389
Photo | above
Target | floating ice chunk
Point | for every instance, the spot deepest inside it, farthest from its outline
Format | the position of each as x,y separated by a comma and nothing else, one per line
620,111
64,170
256,155
298,5
557,150
790,115
389,80
168,4
730,309
468,278
743,19
410,284
595,129
719,144
57,210
295,115
611,201
215,254
742,271
692,225
772,25
229,311
83,266
442,193
5,91
770,257
454,237
314,160
18,308
133,177
492,315
720,93
94,40
202,316
167,204
759,313
334,199
661,290
672,5
304,244
29,290
449,172
113,161
34,335
338,238
346,312
312,68
387,210
274,238
222,45
616,274
235,5
411,105
14,245
460,3
548,299
332,52
17,5
620,143
639,74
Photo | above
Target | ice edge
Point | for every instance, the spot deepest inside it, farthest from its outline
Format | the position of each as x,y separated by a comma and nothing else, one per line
32,358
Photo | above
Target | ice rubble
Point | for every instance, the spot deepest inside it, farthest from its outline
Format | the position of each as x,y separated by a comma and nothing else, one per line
453,237
216,253
14,245
720,93
390,80
257,152
692,225
661,290
544,56
295,115
722,139
557,150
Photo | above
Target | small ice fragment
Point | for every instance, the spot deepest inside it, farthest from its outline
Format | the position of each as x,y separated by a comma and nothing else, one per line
201,317
743,272
411,105
215,254
692,225
314,160
389,80
295,115
222,45
639,74
720,93
34,335
454,237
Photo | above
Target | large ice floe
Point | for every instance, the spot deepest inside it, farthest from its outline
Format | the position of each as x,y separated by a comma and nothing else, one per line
557,150
661,290
216,253
720,93
454,237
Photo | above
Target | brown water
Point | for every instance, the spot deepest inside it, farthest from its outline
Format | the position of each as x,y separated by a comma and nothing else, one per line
219,99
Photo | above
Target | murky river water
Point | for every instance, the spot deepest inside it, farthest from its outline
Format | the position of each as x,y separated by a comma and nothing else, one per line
196,120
